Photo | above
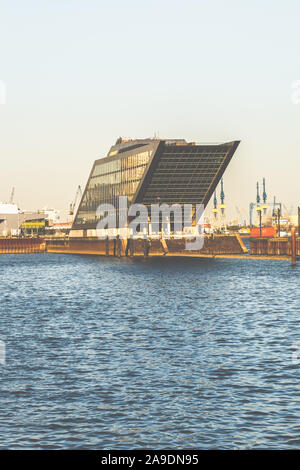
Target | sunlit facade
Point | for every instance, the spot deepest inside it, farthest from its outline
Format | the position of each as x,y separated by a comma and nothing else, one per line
150,171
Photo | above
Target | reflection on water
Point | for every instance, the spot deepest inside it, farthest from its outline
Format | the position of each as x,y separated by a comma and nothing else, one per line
107,353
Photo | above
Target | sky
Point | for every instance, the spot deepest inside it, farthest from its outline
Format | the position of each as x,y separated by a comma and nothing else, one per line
79,74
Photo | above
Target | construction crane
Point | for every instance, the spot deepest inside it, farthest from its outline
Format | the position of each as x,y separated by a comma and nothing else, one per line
257,193
265,205
252,206
222,197
274,215
11,198
73,204
258,207
215,209
274,212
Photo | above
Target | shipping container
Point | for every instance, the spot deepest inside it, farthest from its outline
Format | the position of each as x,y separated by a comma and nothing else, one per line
266,232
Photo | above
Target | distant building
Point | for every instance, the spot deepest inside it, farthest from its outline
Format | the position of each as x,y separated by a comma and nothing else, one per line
14,222
8,208
52,215
59,229
149,171
22,223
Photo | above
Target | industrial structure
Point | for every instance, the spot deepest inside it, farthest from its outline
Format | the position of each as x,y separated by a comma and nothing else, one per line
17,223
73,204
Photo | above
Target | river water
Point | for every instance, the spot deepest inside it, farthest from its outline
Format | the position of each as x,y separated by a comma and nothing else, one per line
106,353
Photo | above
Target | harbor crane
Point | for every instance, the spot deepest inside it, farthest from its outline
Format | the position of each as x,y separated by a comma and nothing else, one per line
222,205
257,204
222,197
265,205
258,207
252,205
11,198
215,209
257,193
274,214
73,204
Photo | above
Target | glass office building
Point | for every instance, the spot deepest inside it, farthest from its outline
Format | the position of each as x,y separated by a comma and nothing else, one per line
149,171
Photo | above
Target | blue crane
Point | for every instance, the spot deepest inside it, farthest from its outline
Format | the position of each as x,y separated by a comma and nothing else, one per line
265,206
257,193
222,197
215,209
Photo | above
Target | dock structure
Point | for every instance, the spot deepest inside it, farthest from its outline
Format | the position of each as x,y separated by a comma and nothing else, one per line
13,245
279,246
213,245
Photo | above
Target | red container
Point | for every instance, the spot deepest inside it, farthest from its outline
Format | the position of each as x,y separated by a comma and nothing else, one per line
266,232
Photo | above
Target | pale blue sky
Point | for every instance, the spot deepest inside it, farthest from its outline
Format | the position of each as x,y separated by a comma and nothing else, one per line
81,73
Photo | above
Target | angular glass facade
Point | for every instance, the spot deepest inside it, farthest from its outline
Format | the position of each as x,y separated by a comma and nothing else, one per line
184,174
150,171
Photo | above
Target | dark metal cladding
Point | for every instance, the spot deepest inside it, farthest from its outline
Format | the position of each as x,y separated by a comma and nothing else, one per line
182,174
152,170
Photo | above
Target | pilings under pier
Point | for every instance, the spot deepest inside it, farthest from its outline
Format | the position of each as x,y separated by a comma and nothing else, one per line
274,246
11,245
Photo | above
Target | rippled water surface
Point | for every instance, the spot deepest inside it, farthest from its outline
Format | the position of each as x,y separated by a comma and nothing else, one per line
118,354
